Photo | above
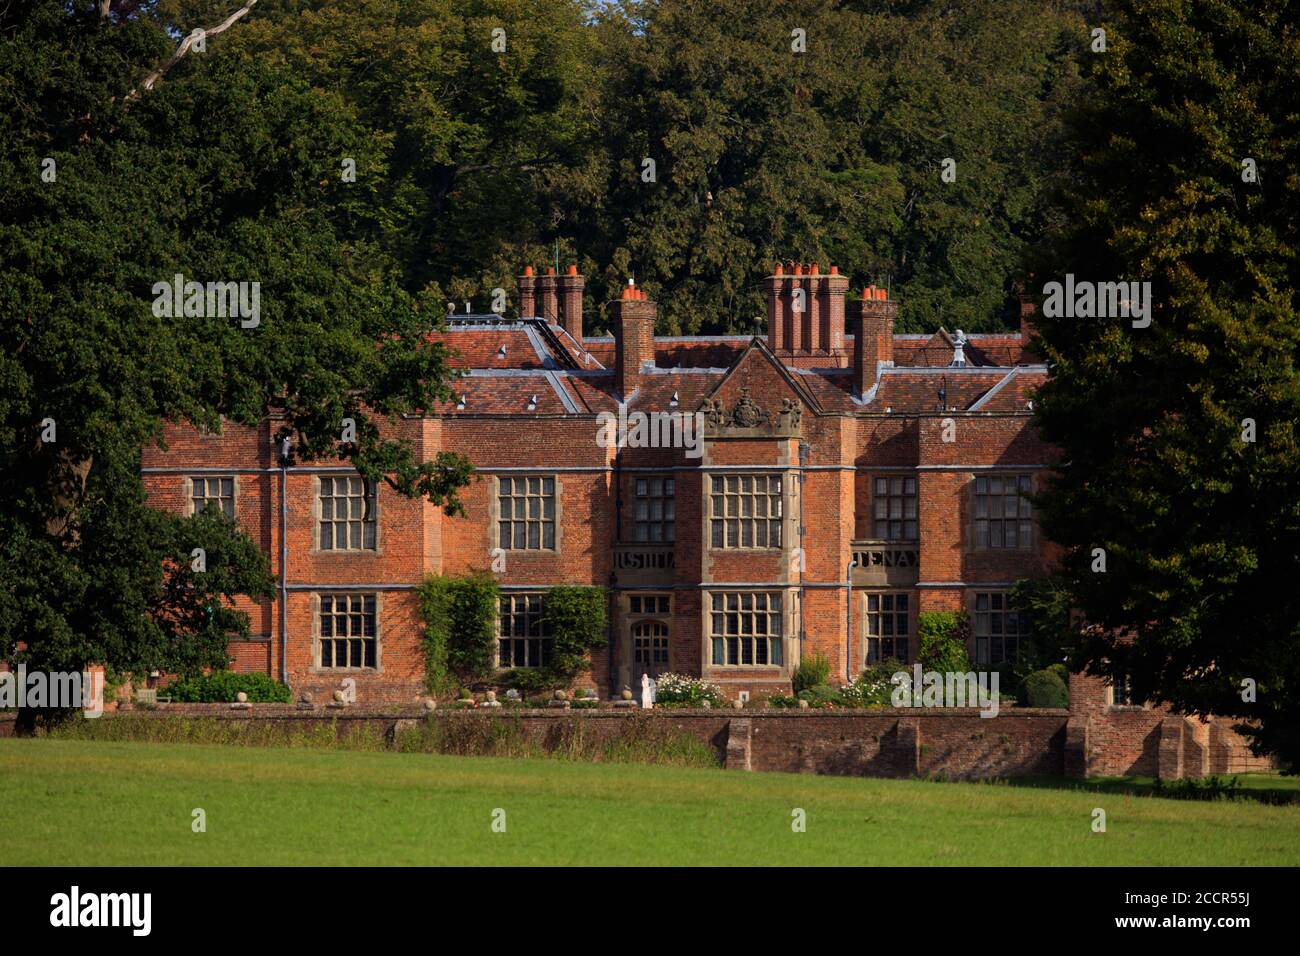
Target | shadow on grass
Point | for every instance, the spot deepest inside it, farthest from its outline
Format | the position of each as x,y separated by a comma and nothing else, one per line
1269,788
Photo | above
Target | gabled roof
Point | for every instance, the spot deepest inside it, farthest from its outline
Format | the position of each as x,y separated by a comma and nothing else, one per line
477,342
982,349
695,351
970,389
757,351
510,392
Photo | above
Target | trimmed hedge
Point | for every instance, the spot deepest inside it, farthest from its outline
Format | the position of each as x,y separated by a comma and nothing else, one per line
1046,689
221,687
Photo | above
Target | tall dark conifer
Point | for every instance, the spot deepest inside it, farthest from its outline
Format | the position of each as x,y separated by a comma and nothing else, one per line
1182,466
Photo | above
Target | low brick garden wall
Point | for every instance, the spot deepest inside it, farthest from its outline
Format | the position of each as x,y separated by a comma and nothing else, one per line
955,744
886,743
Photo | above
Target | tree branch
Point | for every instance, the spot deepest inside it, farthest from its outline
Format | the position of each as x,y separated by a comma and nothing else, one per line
184,48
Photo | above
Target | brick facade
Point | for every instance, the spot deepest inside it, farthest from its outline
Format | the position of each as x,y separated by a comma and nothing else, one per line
799,410
819,418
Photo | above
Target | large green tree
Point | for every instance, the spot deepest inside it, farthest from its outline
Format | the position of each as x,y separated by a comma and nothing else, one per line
833,153
818,132
479,109
1182,462
226,169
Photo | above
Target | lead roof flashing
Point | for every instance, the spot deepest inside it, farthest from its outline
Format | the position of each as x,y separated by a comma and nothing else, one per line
983,399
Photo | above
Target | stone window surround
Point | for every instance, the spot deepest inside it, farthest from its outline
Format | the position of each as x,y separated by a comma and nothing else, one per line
975,636
494,515
1032,545
633,498
783,522
1112,704
872,497
316,667
786,638
864,634
376,506
187,488
651,593
497,666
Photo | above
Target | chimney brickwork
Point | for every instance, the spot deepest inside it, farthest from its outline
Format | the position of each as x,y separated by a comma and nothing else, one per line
633,318
527,284
805,310
873,318
570,288
546,294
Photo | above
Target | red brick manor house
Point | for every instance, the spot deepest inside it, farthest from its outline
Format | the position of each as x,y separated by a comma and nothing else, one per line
845,479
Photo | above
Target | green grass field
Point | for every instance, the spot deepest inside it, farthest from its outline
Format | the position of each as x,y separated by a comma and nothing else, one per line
90,802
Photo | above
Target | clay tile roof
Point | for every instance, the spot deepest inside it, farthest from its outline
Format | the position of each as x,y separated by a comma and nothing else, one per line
1013,393
699,353
833,389
980,350
655,393
594,393
602,348
1001,349
504,396
912,393
480,348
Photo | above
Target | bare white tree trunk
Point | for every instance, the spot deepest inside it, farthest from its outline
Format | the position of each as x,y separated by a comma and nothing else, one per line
184,47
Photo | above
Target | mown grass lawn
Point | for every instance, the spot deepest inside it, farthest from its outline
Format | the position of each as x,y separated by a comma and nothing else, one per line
93,802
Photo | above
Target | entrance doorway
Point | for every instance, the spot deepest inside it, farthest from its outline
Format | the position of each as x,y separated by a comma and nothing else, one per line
649,649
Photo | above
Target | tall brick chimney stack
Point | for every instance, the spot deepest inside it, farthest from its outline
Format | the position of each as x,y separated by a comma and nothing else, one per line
546,287
778,309
872,317
834,287
527,293
1027,311
806,321
570,289
633,318
819,328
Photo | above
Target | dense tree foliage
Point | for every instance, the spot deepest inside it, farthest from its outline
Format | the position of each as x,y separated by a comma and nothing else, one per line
227,170
1181,445
832,153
